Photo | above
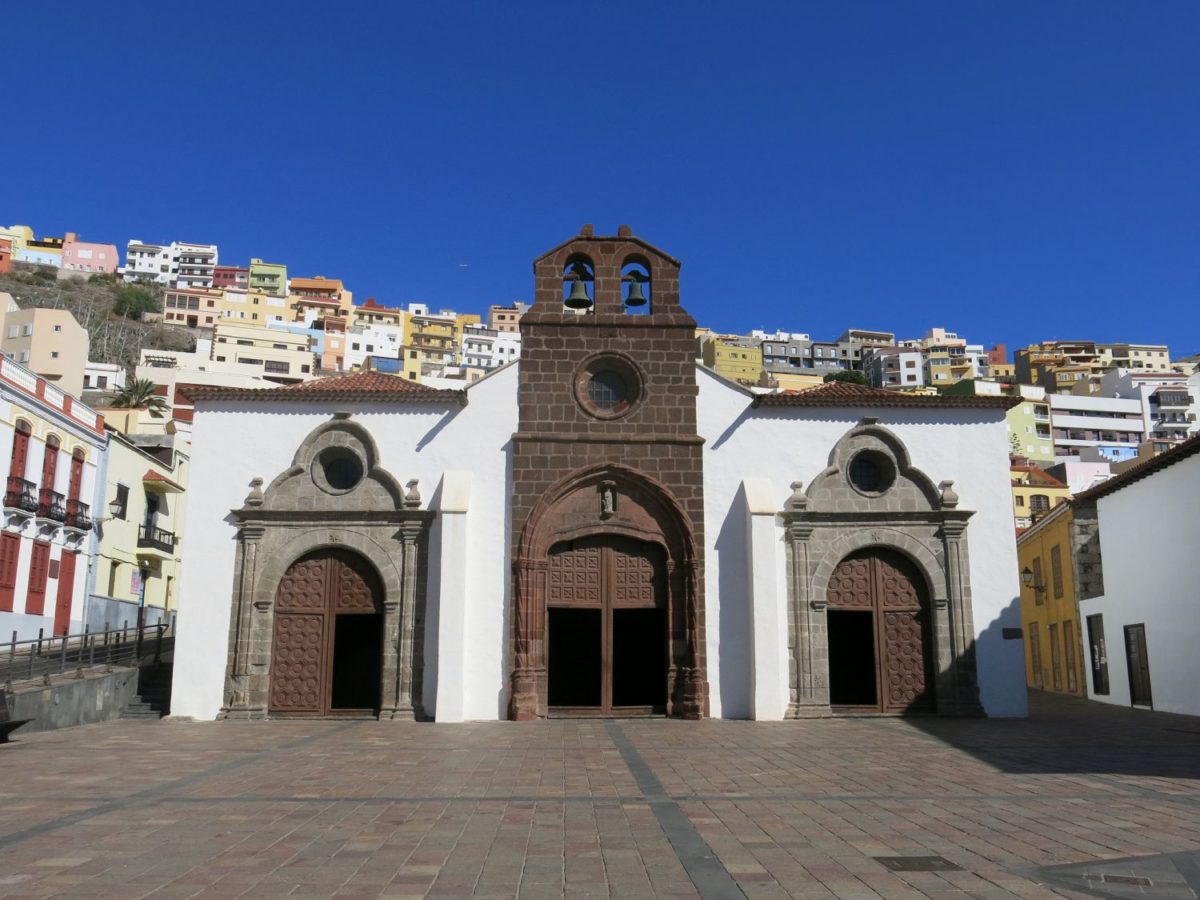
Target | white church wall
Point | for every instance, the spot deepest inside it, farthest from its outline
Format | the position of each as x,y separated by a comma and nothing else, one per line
1149,533
235,442
780,446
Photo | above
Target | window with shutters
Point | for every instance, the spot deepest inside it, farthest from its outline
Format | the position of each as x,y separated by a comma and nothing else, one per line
39,570
1056,571
20,450
10,553
1039,592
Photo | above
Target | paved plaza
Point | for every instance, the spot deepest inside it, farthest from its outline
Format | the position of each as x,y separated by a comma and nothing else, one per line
1078,800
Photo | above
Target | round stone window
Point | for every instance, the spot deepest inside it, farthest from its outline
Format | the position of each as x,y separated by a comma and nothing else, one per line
607,390
871,472
608,386
338,469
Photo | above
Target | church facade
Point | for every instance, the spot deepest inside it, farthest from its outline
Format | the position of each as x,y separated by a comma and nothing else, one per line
602,528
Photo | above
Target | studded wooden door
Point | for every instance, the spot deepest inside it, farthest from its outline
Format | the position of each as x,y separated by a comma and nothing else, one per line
615,576
313,592
888,585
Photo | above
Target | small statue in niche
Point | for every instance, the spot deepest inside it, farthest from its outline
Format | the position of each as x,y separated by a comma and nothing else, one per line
608,499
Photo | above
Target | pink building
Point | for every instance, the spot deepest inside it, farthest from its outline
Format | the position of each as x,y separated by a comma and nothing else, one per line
236,277
80,256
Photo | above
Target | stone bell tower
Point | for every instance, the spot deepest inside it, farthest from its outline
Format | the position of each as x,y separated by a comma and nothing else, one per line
606,452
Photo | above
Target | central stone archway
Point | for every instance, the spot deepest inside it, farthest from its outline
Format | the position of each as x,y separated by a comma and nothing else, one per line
599,545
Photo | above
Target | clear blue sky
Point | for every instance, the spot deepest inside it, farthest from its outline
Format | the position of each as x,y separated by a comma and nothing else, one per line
1013,171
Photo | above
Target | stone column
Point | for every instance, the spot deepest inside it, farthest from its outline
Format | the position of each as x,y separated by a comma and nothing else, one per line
808,631
529,660
401,624
965,696
247,679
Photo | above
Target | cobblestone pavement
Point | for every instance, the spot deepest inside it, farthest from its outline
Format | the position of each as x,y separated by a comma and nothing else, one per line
1078,800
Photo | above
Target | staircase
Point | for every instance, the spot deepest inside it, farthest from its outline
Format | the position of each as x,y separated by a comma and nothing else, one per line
153,700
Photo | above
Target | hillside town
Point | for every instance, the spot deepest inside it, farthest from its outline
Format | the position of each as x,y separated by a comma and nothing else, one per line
97,537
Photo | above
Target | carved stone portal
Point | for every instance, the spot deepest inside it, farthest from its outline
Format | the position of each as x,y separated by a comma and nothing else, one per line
335,531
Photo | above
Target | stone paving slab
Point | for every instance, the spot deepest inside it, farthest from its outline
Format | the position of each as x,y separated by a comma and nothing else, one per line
1075,801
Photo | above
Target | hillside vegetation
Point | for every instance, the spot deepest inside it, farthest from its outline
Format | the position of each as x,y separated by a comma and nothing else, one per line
109,309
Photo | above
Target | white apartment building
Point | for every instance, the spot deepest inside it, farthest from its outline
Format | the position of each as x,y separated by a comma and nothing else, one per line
382,341
1112,426
177,264
893,367
108,377
1168,400
56,446
486,348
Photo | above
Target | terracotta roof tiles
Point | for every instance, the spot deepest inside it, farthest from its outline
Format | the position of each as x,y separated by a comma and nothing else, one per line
843,394
371,387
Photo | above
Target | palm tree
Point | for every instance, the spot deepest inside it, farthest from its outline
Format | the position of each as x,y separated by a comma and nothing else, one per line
140,394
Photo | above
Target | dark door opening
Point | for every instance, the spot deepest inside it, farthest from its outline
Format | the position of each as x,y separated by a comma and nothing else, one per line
1099,653
575,661
639,647
357,662
853,680
1139,666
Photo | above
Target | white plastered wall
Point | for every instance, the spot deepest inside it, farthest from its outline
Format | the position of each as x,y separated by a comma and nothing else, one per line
779,446
233,443
1149,534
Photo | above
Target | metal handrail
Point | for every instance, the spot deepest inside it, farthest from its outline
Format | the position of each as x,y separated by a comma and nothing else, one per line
44,656
149,536
21,494
52,505
79,515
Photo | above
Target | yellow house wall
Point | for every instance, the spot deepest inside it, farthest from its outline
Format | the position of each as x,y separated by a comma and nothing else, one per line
118,555
1062,611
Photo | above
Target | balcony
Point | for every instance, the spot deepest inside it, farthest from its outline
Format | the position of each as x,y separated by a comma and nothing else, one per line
21,494
79,515
51,505
151,538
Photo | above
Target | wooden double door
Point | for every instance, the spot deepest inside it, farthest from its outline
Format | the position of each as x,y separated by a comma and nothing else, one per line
880,647
607,627
327,641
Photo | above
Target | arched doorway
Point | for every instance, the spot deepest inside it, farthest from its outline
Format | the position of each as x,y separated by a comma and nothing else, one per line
608,553
880,647
327,642
606,643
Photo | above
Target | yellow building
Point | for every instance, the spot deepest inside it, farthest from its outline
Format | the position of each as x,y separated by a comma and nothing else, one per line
372,313
48,341
740,362
316,297
1035,492
276,354
1049,605
139,548
790,380
431,342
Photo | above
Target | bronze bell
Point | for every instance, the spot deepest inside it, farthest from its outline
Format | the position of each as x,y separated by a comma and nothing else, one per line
635,297
578,298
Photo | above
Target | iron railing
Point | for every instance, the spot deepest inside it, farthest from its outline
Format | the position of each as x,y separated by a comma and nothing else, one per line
45,656
149,536
21,494
78,515
52,505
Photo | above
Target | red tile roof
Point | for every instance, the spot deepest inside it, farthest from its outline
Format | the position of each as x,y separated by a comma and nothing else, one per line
151,475
1176,454
845,394
372,387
